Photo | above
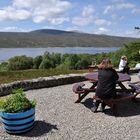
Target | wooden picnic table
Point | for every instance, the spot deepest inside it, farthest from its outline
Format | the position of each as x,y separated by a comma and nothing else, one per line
93,78
125,93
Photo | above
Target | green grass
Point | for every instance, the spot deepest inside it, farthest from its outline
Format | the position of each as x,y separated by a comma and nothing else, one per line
7,77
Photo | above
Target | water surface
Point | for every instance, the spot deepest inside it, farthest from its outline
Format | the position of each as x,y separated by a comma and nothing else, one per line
6,53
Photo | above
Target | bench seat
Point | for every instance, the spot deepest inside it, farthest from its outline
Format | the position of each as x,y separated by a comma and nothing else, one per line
78,88
135,87
113,103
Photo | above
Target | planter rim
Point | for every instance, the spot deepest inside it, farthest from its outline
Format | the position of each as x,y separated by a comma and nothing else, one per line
27,113
18,112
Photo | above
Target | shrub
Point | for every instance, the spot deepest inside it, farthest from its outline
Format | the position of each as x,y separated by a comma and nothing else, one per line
37,61
17,102
20,63
3,66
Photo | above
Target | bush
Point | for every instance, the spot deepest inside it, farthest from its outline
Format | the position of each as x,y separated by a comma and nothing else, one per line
20,63
37,61
17,102
4,66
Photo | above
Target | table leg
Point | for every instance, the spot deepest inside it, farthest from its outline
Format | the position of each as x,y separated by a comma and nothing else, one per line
80,97
123,88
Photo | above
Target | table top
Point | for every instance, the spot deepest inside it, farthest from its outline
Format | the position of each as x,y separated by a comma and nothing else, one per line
94,77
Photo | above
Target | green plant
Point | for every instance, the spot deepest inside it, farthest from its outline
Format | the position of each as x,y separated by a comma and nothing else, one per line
16,102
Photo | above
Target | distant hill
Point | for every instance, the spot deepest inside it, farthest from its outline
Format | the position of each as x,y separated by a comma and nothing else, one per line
58,38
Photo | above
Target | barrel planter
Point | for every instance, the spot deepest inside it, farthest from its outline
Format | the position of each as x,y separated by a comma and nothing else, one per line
16,123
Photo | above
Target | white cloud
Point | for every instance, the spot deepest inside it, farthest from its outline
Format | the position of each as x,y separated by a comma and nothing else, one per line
118,6
88,10
23,3
52,11
82,21
102,22
9,13
125,6
115,17
59,20
86,16
102,30
14,29
74,28
108,9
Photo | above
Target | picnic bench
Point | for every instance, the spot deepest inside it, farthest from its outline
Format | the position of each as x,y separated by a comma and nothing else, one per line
124,93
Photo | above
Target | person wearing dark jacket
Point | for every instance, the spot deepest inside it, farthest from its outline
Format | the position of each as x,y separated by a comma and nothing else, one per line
106,87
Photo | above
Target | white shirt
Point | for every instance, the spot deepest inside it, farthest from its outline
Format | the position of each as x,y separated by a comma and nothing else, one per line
122,64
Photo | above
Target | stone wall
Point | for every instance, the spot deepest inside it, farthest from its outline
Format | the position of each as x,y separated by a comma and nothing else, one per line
42,82
45,82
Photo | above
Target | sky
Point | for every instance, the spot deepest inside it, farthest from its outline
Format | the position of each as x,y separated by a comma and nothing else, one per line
110,17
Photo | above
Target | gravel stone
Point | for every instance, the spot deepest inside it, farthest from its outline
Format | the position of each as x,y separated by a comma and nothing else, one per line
59,118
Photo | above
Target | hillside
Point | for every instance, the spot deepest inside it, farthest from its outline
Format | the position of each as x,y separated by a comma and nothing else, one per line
58,38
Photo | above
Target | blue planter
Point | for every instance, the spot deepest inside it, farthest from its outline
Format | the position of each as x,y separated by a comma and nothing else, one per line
16,123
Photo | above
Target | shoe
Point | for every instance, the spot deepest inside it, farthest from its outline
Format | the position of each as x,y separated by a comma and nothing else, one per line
94,109
95,106
102,107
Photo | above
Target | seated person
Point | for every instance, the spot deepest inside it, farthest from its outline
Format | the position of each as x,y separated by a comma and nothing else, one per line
106,86
123,65
137,65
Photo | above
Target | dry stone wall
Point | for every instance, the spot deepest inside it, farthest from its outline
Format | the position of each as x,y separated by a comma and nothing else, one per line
42,82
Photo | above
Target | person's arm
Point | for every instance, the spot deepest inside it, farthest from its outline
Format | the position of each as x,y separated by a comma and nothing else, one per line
116,74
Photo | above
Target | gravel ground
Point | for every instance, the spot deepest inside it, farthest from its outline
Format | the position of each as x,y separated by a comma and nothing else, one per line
59,118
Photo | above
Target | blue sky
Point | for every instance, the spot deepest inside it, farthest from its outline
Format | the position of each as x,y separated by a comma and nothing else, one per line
111,17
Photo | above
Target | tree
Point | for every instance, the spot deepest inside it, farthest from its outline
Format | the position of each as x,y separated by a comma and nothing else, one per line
137,28
37,61
20,63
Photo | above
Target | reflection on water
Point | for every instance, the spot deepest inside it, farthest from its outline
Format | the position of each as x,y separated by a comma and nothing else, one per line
6,53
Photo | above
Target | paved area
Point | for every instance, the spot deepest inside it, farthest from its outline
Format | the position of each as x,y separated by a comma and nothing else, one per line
59,118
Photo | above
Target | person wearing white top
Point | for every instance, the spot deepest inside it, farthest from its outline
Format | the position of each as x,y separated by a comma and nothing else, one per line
123,65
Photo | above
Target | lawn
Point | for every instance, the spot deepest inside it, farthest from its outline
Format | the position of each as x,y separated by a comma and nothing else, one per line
10,76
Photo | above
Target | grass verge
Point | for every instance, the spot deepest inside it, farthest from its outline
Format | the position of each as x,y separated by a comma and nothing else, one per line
10,76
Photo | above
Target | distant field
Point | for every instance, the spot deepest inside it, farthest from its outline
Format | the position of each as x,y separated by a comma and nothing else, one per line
7,77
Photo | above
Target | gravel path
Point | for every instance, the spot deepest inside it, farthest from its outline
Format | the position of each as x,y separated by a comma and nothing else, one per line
59,118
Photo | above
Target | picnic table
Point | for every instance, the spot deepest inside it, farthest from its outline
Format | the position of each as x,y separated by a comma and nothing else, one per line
125,92
93,78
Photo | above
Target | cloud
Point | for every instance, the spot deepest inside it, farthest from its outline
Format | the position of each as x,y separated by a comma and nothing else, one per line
52,11
118,6
86,16
102,30
102,22
82,21
74,28
108,9
9,13
59,20
14,29
88,10
125,6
